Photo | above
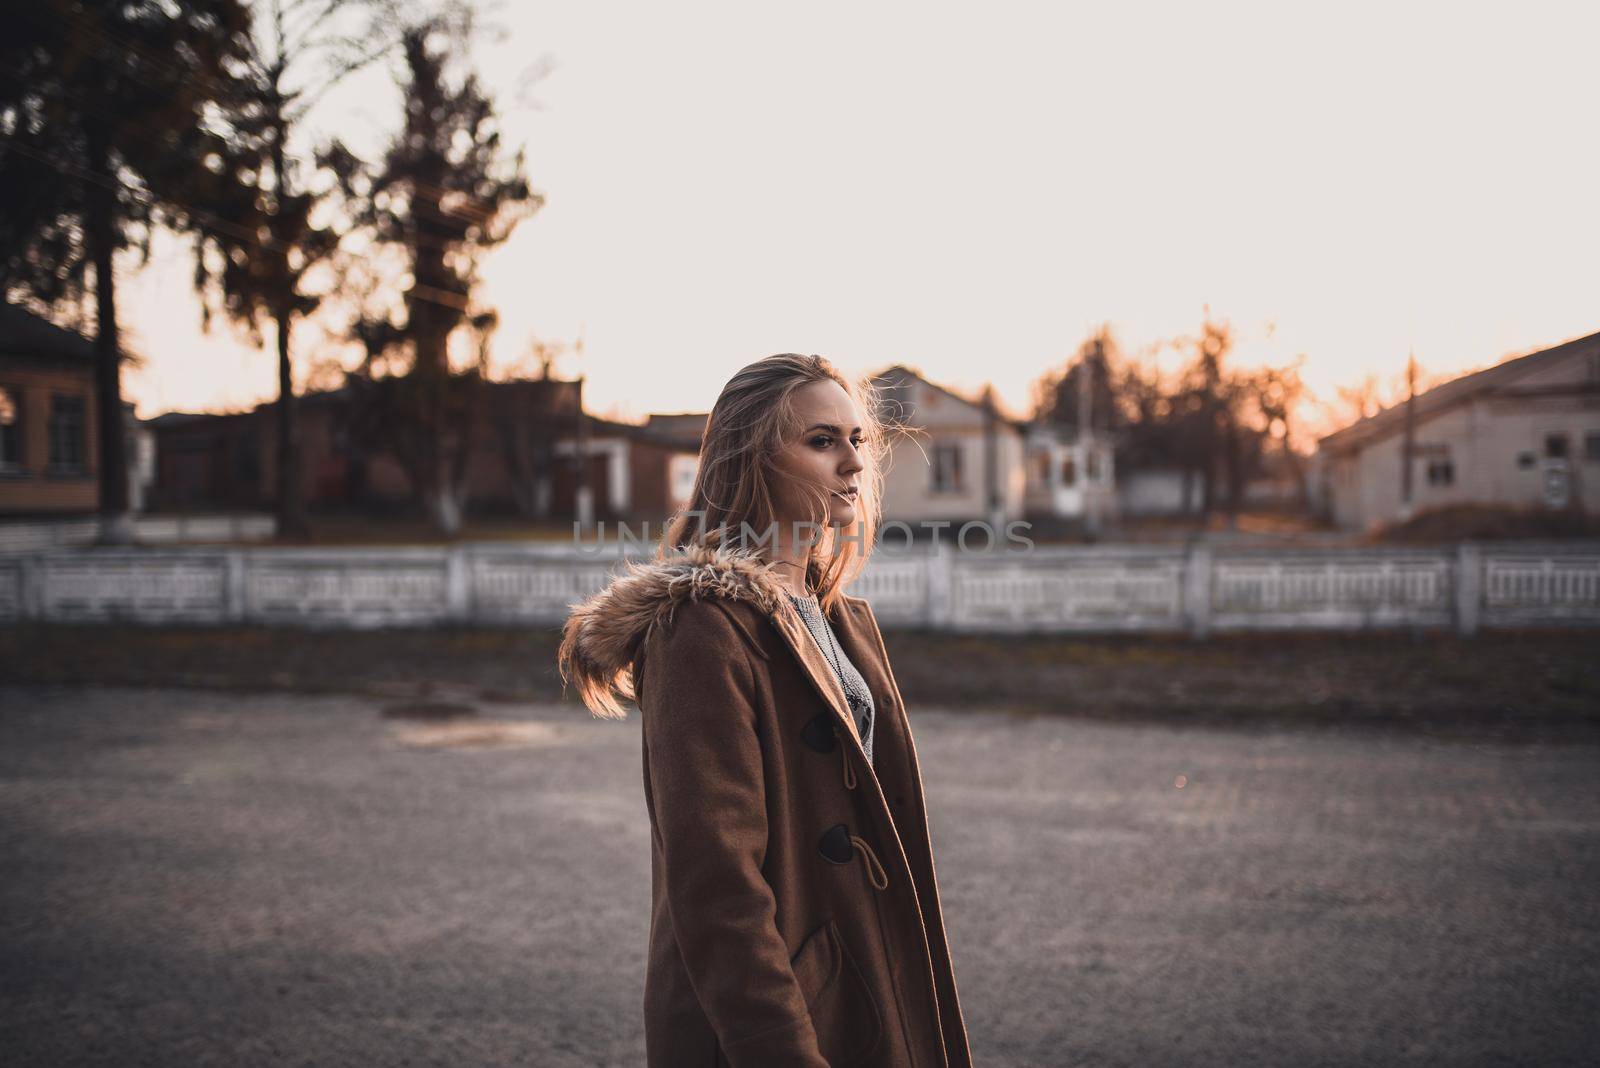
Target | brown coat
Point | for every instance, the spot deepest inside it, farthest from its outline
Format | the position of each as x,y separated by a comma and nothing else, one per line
795,918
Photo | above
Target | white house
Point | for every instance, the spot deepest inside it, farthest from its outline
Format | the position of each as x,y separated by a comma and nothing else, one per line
961,460
956,459
1525,433
1070,476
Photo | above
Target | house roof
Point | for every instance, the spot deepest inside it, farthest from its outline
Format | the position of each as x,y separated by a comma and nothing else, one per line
1455,392
169,420
23,333
891,382
684,425
337,395
668,438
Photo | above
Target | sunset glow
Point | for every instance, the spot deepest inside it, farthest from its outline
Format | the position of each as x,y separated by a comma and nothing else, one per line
971,190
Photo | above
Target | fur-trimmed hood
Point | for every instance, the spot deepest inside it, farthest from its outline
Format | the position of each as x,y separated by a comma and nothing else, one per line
605,632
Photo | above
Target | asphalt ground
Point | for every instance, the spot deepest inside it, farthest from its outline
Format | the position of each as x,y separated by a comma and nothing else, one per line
202,877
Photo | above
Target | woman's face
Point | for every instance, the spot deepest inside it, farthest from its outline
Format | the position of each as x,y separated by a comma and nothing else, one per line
825,456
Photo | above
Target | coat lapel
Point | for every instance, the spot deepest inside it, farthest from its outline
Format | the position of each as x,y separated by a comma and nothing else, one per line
817,669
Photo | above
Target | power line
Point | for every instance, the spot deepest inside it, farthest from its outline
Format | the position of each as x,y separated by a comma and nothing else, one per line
98,27
241,232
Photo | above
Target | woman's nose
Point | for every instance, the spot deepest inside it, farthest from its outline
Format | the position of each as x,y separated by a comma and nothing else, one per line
852,462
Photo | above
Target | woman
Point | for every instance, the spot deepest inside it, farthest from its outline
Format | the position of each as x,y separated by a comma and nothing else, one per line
795,915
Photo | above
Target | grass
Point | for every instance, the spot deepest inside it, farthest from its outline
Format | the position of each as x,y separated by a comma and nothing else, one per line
1503,678
1483,522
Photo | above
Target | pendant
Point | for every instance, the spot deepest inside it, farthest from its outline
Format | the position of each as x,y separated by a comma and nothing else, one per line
858,708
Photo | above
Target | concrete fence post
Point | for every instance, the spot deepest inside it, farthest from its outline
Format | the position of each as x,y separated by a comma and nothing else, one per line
1469,588
1197,565
940,587
458,592
235,591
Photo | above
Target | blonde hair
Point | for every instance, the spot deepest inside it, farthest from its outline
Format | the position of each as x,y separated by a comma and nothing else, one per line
753,420
731,506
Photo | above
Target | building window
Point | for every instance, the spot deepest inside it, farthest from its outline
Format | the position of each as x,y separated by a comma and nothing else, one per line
1555,446
681,471
1591,445
947,468
66,432
10,430
1441,473
1069,472
1526,459
1092,466
1041,467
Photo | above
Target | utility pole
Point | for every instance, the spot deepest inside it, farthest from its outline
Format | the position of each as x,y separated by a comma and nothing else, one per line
1408,449
583,495
991,462
1091,504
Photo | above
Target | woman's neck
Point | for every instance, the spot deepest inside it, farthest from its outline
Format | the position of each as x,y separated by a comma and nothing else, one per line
791,574
790,561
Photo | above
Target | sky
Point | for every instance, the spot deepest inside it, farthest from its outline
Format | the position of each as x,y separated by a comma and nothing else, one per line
972,189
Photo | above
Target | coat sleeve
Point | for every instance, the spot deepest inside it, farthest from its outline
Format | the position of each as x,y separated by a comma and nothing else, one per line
704,762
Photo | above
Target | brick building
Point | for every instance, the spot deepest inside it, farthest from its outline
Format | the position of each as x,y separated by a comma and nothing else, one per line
521,463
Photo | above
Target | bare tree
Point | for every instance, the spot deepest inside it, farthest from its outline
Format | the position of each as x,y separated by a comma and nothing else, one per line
1279,393
1211,421
264,239
1058,395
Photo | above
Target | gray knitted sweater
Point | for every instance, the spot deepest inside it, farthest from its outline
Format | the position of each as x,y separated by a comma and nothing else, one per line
855,687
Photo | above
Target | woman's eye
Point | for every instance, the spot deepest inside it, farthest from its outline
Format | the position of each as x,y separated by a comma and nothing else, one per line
822,442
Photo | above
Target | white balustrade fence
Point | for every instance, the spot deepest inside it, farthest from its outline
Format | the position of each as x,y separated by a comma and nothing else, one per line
1101,589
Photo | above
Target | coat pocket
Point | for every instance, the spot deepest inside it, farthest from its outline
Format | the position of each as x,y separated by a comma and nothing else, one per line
843,1013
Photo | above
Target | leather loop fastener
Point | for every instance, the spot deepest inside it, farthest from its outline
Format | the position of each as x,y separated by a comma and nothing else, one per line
839,845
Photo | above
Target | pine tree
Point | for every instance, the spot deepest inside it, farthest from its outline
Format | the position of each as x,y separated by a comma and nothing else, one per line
445,194
103,107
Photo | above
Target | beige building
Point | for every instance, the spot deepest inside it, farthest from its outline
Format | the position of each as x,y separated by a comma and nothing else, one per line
1523,434
49,457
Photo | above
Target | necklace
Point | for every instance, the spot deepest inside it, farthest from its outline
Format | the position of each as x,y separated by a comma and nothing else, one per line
856,704
838,655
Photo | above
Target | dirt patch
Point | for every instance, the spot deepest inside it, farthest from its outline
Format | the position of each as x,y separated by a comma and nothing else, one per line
479,734
1481,522
429,710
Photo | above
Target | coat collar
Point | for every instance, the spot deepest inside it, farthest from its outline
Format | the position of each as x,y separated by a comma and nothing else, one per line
607,632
